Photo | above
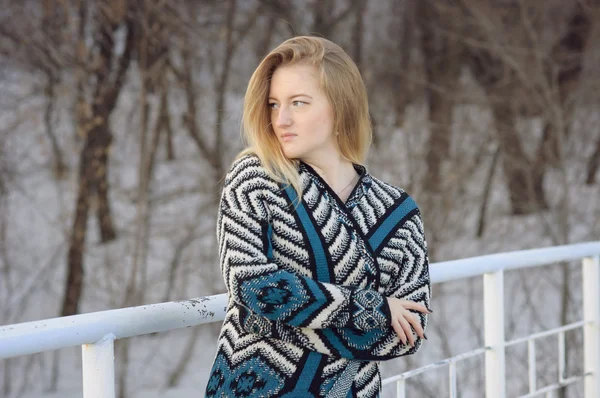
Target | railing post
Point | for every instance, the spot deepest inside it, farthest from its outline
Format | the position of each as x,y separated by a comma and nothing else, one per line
562,363
532,366
99,368
401,388
493,305
591,330
452,376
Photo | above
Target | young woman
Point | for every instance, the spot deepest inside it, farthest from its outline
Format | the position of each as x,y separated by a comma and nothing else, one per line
325,265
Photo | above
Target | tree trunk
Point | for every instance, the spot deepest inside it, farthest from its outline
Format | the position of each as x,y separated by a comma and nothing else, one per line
486,194
103,212
523,179
525,195
108,78
358,32
565,72
221,90
403,87
96,144
322,14
264,44
324,21
59,166
593,164
442,68
8,378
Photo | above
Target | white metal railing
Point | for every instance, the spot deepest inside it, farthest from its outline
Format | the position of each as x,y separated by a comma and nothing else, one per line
492,268
96,332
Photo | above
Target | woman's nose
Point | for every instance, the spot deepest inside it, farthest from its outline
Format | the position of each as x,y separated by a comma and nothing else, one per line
283,117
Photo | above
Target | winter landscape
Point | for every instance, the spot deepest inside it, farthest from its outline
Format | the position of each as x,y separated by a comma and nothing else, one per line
119,119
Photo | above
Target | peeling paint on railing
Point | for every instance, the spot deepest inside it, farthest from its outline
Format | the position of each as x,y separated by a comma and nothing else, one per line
200,301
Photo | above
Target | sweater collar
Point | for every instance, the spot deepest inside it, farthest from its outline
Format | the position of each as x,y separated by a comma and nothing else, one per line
359,190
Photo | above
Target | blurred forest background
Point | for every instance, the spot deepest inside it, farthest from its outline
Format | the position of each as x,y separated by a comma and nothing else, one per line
119,118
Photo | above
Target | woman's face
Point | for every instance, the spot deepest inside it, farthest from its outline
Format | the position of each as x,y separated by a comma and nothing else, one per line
300,109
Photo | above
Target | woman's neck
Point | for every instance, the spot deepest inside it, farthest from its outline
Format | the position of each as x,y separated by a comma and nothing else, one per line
340,174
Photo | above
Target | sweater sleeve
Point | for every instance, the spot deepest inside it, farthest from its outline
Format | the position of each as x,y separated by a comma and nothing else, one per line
411,281
257,284
408,249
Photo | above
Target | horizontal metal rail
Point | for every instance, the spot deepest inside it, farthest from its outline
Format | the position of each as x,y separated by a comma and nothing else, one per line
553,387
446,271
546,333
51,334
433,366
452,361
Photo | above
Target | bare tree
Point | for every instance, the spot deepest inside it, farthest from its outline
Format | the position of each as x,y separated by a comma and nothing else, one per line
51,27
499,81
442,56
504,72
108,75
401,80
358,32
593,164
564,74
324,18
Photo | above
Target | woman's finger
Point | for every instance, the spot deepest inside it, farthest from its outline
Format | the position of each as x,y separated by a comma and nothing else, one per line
413,305
415,321
406,327
399,331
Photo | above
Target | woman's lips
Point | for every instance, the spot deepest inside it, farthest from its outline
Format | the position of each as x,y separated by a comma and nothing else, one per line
287,137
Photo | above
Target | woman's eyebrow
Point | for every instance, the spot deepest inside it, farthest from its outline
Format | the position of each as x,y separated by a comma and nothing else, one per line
294,96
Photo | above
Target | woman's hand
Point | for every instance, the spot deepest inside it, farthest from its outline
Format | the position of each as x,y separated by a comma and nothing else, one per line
402,318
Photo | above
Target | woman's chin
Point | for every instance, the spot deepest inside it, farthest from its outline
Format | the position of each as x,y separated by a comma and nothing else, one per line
290,153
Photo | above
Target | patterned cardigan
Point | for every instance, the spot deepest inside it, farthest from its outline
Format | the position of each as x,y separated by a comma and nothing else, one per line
308,314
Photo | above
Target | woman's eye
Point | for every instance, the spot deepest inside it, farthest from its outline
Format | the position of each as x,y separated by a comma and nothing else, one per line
274,105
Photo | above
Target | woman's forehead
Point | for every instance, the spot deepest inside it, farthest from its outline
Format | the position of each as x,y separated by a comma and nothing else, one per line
294,80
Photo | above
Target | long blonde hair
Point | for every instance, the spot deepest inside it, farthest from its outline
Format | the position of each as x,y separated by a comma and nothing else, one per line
341,82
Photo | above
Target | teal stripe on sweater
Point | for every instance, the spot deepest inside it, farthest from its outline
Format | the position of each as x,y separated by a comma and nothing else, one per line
391,222
312,363
323,274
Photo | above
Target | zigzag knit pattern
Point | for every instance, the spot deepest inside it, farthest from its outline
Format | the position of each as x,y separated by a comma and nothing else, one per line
308,314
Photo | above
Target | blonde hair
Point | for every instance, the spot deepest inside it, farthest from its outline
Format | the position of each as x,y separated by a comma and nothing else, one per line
341,82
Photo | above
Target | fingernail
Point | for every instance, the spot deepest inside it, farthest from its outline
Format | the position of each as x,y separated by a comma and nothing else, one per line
424,335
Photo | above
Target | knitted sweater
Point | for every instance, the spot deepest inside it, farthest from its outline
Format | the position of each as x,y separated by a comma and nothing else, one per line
307,313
